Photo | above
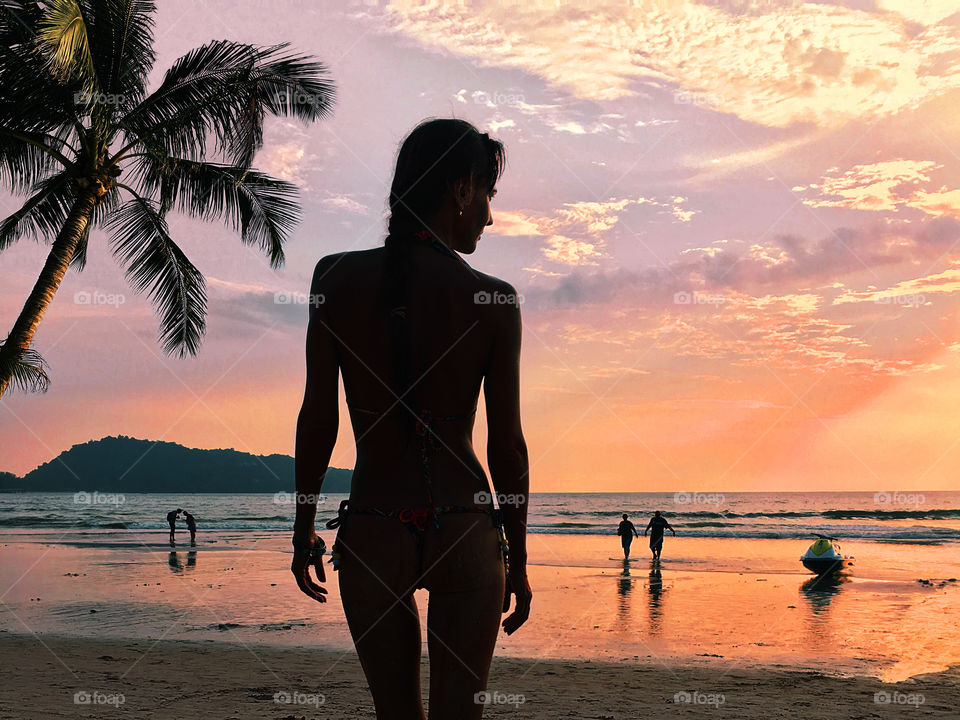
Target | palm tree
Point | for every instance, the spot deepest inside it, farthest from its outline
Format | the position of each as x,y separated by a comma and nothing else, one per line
75,116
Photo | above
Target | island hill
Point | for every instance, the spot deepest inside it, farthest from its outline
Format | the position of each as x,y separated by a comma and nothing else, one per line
126,464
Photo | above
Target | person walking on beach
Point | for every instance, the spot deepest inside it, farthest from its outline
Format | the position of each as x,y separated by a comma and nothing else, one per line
627,533
192,527
656,527
172,520
414,332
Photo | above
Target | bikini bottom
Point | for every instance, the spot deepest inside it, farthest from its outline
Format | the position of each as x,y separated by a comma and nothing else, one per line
460,561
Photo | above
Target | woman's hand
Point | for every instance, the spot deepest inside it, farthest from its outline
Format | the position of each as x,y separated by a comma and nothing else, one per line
301,570
517,585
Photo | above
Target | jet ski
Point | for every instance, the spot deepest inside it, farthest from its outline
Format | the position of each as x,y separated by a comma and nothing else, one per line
823,556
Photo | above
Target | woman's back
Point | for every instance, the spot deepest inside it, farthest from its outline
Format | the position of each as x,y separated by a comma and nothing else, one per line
452,325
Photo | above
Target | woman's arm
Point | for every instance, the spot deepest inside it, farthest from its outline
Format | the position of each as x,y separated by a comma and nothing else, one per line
319,418
507,453
317,426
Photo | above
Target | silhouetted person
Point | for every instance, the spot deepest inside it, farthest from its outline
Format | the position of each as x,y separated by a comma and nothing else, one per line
172,520
414,332
192,527
627,533
656,526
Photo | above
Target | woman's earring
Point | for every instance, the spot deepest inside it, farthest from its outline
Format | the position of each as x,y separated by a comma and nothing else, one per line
461,212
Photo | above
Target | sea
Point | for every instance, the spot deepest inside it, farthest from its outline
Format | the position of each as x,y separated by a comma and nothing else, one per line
927,518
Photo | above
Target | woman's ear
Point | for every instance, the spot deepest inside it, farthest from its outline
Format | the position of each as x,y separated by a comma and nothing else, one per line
463,190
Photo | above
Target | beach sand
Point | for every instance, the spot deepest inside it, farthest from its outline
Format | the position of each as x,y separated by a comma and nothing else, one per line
218,680
220,632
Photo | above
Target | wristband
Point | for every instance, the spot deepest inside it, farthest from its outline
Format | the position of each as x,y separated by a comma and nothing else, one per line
316,550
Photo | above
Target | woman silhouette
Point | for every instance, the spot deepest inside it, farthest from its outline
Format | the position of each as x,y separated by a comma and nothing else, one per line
414,330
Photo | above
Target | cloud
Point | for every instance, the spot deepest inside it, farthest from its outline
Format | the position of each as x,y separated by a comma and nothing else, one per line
568,251
575,233
885,186
773,63
257,304
283,161
870,187
784,261
913,292
344,202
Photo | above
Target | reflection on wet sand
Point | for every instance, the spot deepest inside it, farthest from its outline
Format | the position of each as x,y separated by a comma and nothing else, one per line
656,590
819,592
176,564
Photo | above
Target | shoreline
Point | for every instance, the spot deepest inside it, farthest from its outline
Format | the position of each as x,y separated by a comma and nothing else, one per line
213,678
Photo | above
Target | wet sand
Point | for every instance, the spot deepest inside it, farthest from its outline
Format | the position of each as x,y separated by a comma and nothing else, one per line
756,610
51,677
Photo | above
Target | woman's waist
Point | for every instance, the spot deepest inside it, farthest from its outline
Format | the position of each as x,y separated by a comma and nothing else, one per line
459,467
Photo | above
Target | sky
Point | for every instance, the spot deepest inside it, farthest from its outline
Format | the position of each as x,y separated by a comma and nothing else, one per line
735,226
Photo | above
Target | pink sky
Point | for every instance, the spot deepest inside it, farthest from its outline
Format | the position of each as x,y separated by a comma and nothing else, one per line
736,228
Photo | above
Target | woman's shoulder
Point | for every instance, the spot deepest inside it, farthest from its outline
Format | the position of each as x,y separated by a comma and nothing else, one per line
495,291
335,265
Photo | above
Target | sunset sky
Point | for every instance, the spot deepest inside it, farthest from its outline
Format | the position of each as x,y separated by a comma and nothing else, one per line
735,226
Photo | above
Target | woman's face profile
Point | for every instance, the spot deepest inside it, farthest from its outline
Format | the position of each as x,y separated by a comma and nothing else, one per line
476,216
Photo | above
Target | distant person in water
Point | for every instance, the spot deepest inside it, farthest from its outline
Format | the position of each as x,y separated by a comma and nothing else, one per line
172,520
656,526
192,527
627,533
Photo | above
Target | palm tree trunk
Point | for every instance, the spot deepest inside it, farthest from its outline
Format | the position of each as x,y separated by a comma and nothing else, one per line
19,339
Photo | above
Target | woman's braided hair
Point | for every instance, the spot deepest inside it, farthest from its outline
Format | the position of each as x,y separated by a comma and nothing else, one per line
435,154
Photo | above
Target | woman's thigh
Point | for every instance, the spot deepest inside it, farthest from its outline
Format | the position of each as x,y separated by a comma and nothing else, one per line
465,575
378,570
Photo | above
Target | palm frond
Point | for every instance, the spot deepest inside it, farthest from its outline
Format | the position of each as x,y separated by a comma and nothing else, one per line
264,209
42,215
141,242
121,32
194,99
64,40
27,158
27,374
32,100
225,89
282,84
